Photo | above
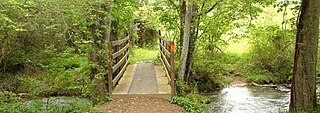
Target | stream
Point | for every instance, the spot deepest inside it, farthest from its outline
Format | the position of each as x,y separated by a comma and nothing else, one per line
60,102
249,99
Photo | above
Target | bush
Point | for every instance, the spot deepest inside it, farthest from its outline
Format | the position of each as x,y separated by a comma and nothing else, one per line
59,75
30,27
193,103
318,98
211,71
270,59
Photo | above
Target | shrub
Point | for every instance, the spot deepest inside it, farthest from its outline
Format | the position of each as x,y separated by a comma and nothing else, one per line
193,103
211,71
270,59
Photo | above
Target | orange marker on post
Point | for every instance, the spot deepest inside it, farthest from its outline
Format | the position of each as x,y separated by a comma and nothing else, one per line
172,47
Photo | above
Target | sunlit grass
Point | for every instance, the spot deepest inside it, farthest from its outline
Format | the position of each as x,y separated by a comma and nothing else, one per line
144,54
238,46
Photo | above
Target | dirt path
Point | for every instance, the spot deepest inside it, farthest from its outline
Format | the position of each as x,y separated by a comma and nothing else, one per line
135,103
238,80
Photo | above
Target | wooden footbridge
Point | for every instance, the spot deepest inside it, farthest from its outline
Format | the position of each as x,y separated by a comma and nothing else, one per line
140,78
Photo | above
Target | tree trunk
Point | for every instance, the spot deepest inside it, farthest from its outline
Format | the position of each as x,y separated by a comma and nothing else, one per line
108,22
303,92
192,43
182,21
108,39
185,47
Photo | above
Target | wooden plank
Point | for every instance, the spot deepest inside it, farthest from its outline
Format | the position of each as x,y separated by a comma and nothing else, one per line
165,61
117,78
118,53
169,68
165,50
165,41
115,67
119,42
166,70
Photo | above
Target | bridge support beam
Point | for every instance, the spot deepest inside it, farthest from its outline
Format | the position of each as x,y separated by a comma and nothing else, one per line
110,71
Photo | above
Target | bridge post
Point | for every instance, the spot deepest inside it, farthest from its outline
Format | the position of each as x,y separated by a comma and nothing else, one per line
110,84
172,73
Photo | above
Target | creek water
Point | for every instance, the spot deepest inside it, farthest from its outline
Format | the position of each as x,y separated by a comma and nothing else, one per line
249,99
59,102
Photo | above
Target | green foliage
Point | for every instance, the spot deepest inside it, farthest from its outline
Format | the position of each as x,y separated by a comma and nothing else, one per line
189,98
30,28
47,44
66,74
59,74
193,103
318,98
271,54
184,89
212,71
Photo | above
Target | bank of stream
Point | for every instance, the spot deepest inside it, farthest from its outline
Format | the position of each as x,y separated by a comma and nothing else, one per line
58,104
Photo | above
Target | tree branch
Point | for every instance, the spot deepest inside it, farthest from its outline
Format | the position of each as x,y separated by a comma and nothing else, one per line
175,6
211,8
203,4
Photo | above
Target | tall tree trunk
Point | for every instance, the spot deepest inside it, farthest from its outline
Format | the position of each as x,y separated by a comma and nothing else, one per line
182,15
192,42
303,92
108,22
186,37
108,39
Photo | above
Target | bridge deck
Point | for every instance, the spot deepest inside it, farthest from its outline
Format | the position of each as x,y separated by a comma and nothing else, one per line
143,78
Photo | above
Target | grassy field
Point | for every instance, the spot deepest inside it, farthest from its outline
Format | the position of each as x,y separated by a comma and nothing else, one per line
144,54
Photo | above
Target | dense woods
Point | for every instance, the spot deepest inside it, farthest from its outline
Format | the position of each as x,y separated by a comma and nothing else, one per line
59,47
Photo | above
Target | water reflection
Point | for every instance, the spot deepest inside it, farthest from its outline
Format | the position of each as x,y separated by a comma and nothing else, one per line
249,99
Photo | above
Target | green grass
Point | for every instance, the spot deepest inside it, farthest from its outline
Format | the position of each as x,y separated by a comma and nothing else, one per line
144,54
238,46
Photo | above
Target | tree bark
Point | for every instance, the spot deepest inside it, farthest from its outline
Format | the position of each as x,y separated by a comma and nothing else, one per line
303,92
182,15
192,42
186,37
108,22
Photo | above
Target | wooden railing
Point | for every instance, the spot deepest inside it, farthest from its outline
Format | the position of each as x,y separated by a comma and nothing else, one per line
119,56
167,60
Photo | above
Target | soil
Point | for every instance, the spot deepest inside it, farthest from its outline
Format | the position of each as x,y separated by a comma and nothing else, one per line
238,80
141,104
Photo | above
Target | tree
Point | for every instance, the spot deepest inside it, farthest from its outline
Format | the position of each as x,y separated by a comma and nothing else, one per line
210,20
185,45
190,17
303,91
182,14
